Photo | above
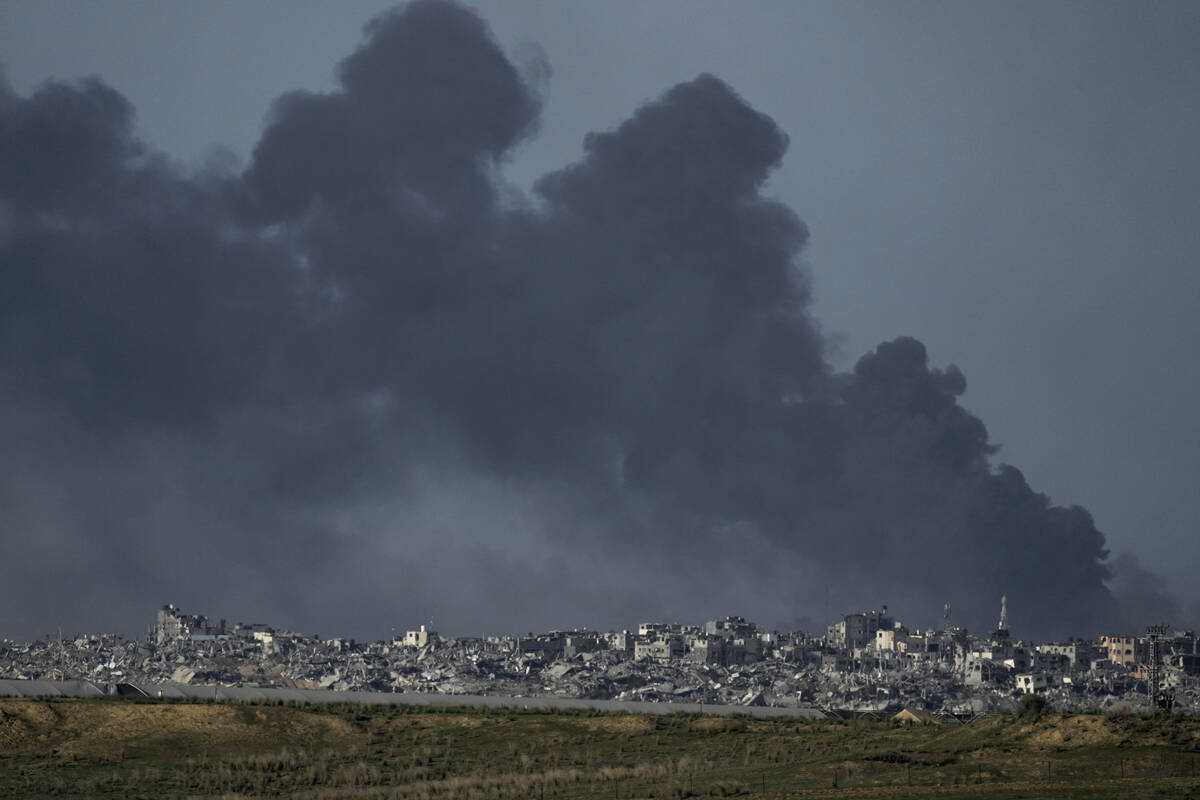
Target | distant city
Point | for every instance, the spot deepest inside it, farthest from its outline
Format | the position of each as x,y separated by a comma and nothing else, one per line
865,662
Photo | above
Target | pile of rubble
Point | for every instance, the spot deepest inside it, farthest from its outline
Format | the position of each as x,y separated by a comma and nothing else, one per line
727,662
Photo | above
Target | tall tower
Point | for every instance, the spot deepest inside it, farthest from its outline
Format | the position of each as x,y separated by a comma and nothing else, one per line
1159,699
1001,632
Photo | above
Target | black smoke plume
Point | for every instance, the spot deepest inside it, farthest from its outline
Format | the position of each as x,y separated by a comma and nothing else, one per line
362,382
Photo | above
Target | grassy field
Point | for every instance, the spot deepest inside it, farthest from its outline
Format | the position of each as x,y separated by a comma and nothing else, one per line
123,748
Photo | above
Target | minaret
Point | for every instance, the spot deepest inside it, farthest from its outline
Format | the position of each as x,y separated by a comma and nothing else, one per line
1001,632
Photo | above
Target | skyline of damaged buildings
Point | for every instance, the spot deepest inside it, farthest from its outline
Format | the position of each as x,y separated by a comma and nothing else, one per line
868,661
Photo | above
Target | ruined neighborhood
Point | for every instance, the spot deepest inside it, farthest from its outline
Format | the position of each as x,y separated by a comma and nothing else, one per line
867,662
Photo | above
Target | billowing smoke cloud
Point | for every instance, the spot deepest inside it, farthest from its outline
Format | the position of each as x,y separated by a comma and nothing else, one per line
1143,597
362,382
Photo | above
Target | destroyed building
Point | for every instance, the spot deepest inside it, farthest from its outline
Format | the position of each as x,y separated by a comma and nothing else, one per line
171,624
856,631
420,638
867,662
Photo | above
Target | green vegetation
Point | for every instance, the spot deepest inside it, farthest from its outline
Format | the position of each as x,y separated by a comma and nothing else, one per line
153,749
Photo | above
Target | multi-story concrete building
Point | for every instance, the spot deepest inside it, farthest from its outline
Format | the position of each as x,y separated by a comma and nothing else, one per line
731,628
619,641
984,672
1032,682
1075,655
1121,650
662,650
171,624
860,629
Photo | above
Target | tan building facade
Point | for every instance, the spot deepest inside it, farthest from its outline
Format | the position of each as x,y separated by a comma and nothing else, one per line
1121,649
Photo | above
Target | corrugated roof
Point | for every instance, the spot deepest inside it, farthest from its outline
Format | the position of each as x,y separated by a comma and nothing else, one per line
19,688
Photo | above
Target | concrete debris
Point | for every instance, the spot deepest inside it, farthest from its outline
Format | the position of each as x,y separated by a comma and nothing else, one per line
868,664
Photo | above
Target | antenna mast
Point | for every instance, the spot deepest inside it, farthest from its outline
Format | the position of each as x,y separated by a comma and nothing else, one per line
1159,699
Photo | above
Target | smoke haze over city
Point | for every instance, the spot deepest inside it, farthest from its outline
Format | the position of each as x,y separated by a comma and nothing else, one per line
383,368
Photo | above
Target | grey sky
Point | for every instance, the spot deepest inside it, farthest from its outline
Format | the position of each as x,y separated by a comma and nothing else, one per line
1017,185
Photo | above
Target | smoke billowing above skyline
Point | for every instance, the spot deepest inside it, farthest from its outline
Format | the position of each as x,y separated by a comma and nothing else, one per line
360,381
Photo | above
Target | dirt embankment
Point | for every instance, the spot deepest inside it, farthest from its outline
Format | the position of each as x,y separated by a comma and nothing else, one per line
112,728
1065,732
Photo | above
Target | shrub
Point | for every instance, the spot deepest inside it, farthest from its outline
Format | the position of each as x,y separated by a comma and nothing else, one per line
1033,706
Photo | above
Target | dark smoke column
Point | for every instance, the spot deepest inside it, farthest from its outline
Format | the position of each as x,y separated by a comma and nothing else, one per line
933,506
258,357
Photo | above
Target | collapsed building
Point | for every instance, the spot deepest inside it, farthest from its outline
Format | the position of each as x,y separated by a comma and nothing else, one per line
866,662
171,624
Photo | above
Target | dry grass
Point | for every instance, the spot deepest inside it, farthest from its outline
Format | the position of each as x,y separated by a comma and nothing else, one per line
718,724
1073,731
98,730
628,723
114,748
